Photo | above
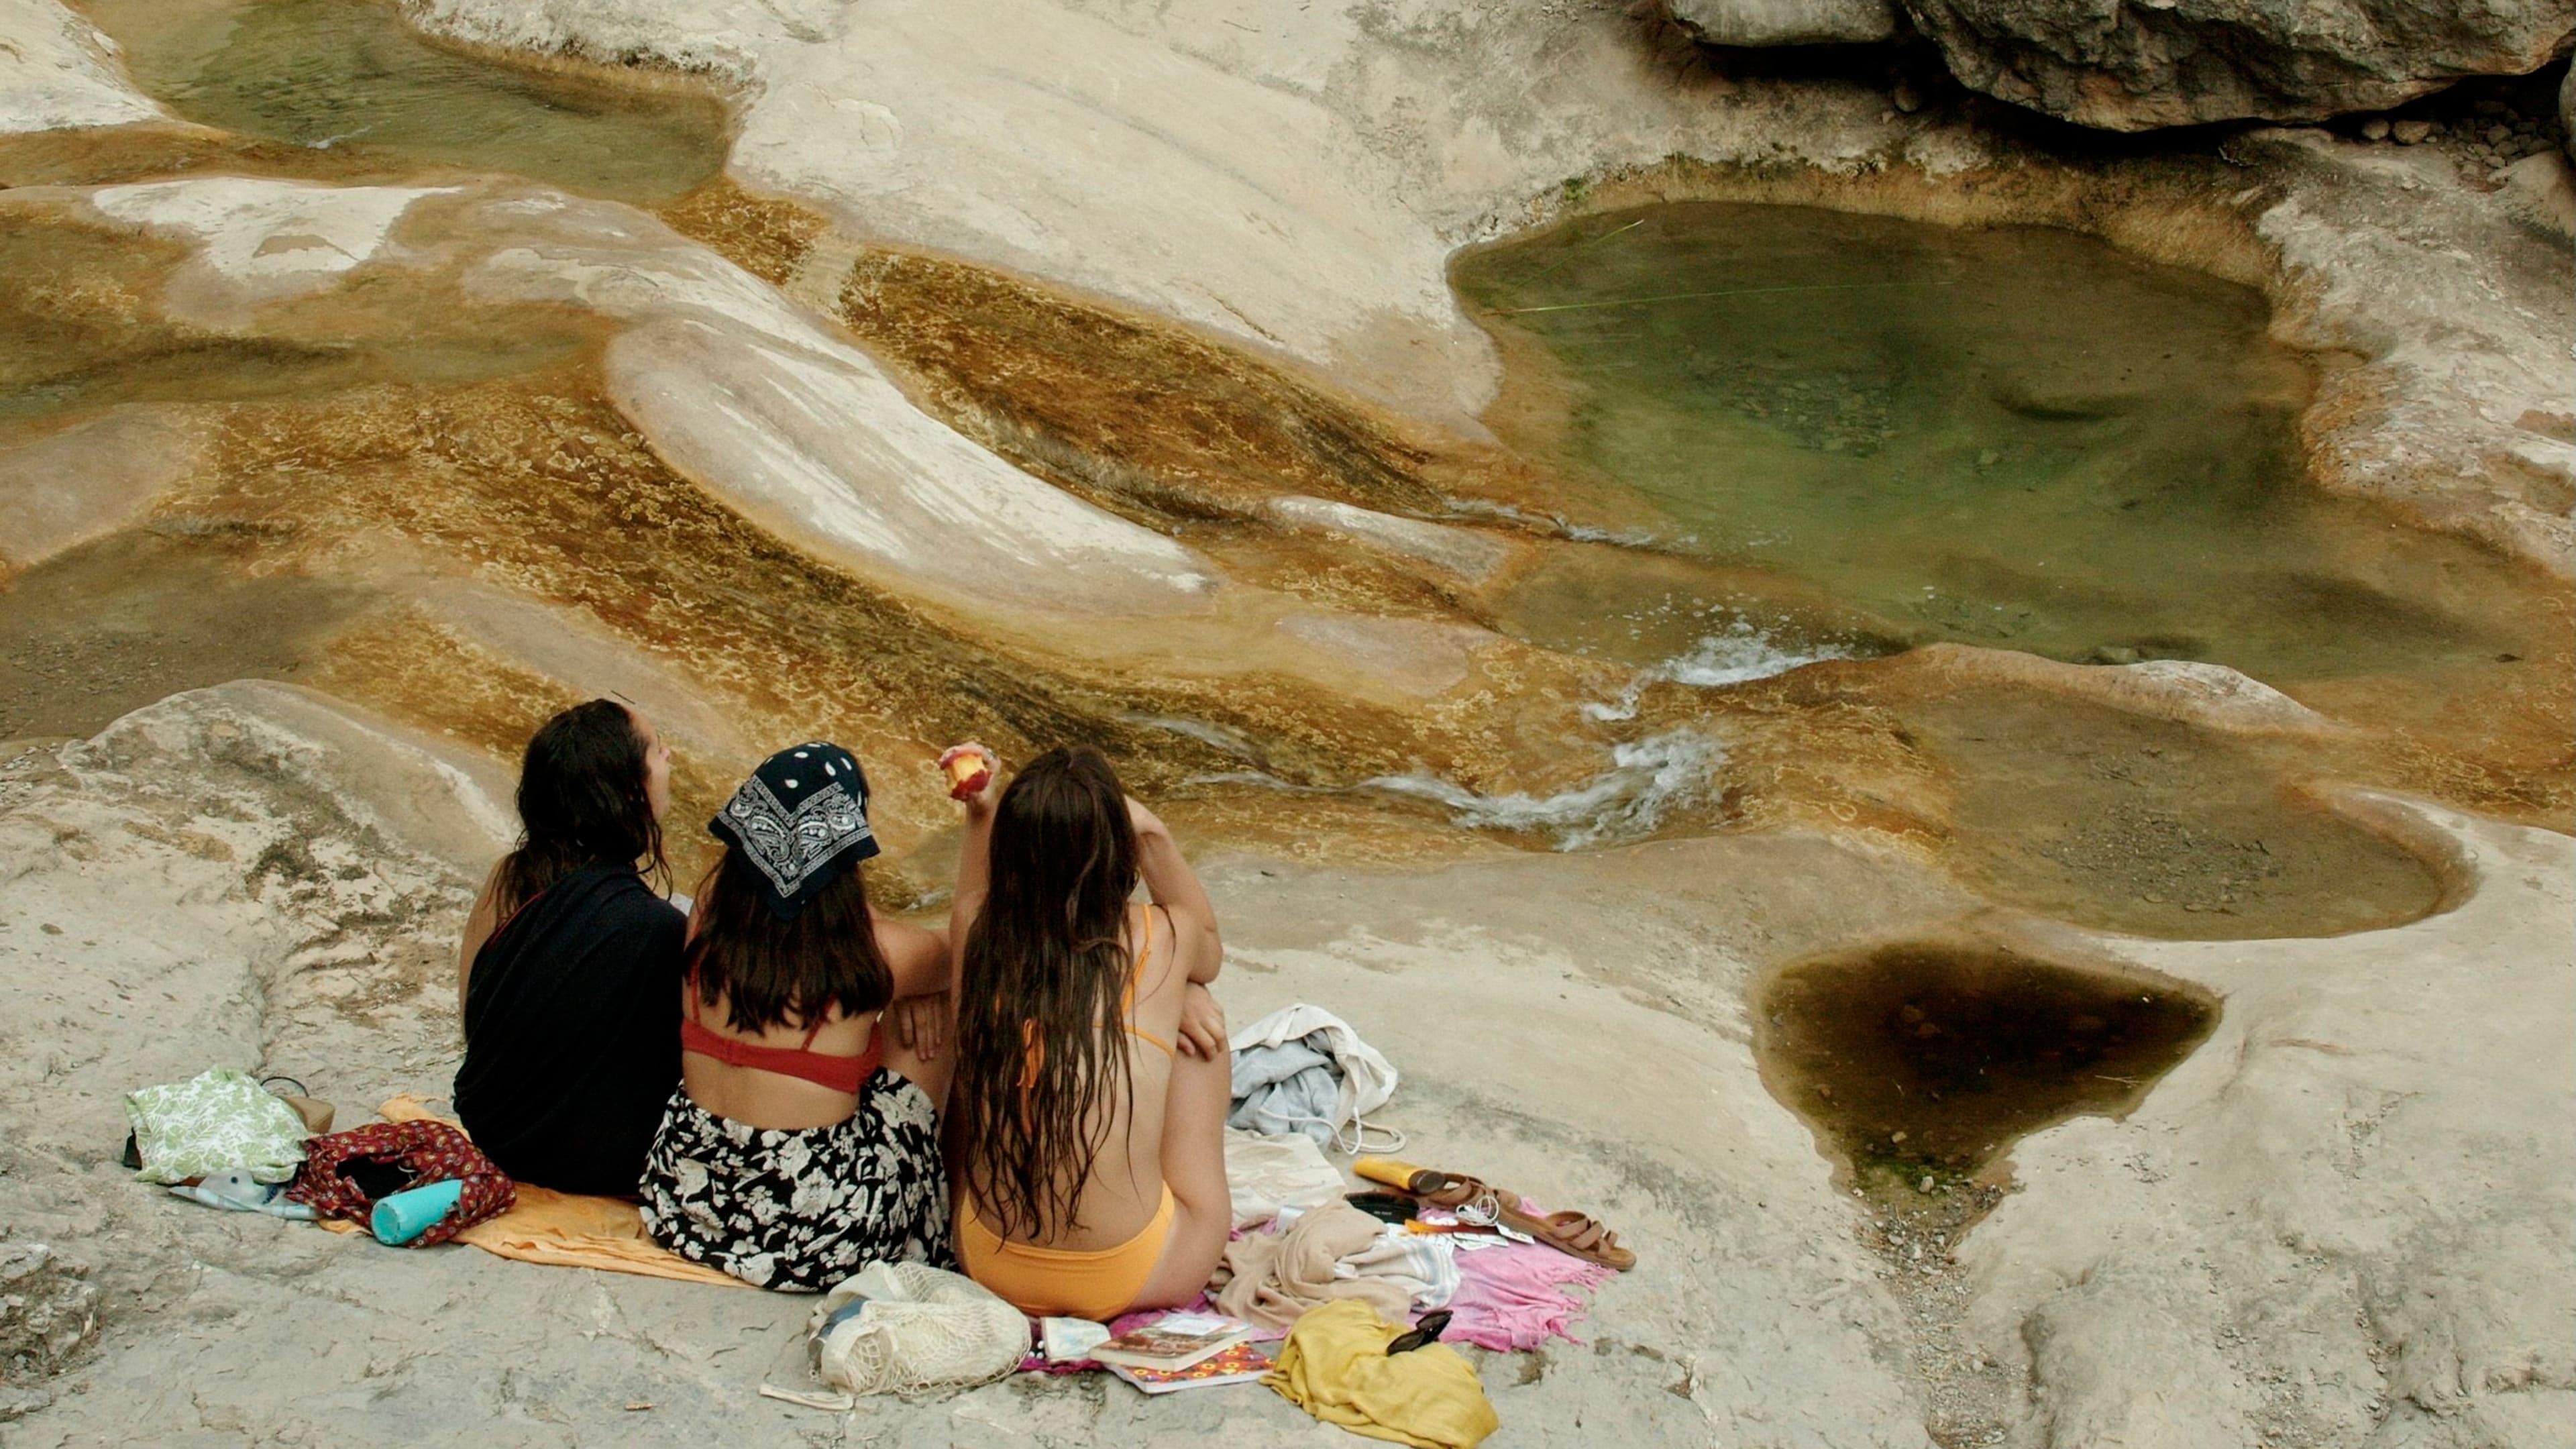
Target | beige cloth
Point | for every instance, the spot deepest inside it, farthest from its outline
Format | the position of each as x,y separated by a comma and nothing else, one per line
565,1230
1271,1279
1265,1174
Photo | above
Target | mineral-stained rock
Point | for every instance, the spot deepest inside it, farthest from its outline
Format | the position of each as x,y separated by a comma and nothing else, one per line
2135,67
1790,22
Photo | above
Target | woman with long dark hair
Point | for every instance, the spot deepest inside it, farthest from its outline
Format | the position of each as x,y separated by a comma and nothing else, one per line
801,1143
567,974
1091,1151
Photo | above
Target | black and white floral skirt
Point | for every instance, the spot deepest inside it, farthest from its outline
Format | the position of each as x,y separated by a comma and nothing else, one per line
801,1210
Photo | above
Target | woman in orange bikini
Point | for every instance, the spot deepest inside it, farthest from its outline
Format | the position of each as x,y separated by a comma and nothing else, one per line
1089,1151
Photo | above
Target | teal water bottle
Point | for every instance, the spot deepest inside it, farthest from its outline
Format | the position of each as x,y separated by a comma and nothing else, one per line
402,1216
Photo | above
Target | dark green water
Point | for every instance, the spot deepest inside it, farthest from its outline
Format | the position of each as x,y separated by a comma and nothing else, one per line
2019,438
349,73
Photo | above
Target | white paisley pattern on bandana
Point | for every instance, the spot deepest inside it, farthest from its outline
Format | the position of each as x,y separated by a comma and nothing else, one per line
789,846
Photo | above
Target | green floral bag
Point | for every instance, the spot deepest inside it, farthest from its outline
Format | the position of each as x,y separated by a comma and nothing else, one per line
221,1121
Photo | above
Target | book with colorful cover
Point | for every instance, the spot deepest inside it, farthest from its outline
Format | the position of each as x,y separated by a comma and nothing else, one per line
1239,1363
1173,1341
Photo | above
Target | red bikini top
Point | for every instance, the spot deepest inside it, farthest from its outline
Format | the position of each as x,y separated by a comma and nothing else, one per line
841,1074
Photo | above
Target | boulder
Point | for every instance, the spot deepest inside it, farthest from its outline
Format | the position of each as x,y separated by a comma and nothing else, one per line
2136,67
2567,112
1790,22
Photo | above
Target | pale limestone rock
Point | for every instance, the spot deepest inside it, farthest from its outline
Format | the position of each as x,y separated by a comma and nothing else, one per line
2136,67
749,395
2451,301
2348,1218
1291,176
231,883
1790,22
257,240
1470,555
2210,696
58,72
89,479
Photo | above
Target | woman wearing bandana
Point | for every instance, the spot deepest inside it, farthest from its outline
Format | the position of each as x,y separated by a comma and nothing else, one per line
801,1143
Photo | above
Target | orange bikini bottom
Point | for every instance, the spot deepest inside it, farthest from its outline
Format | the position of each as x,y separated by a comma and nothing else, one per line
1098,1284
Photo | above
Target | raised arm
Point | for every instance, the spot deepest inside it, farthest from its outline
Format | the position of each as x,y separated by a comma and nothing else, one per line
1175,887
974,862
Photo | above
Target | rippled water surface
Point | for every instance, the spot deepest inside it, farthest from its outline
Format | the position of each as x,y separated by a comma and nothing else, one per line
2016,437
349,73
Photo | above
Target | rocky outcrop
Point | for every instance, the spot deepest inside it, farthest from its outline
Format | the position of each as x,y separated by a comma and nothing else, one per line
2135,67
2336,1225
1790,22
56,70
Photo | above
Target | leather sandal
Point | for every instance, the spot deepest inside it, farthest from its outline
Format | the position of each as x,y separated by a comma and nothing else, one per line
1572,1233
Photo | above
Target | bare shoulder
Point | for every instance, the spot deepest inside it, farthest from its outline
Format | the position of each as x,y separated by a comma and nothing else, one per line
917,957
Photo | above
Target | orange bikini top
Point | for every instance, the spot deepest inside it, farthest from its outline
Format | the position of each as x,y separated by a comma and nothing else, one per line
841,1074
1126,1010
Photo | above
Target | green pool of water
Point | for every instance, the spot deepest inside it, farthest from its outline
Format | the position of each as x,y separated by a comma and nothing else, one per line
2017,437
350,73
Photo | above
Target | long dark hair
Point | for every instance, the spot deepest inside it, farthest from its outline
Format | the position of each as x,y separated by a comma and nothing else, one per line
785,973
1041,999
583,801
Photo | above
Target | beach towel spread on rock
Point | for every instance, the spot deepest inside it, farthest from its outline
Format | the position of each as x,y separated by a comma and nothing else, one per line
566,1230
217,1121
1302,1069
430,1151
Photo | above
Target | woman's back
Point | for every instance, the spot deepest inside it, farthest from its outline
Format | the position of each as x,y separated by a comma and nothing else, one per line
1125,1186
572,1033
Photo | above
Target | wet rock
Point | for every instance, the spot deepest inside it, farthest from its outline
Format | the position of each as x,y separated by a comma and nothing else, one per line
89,479
2410,132
1791,22
56,70
2137,67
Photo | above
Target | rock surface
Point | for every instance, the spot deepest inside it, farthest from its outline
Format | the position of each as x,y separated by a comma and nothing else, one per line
2346,1217
2136,67
90,478
2340,1223
56,70
1289,177
1790,22
247,875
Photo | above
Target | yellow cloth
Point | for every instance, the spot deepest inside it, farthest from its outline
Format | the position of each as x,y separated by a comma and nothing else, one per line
564,1229
1335,1366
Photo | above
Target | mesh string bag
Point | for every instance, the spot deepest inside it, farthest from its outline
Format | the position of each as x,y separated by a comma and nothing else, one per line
906,1328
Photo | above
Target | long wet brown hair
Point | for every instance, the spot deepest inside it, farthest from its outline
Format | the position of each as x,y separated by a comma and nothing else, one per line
771,972
583,801
1041,1001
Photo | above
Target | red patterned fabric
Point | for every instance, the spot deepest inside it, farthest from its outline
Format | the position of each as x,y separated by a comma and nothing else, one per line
432,1151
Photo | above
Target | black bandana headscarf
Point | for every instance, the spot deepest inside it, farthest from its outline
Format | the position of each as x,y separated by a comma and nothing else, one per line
801,819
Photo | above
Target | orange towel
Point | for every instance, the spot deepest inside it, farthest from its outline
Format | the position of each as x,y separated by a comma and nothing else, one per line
565,1230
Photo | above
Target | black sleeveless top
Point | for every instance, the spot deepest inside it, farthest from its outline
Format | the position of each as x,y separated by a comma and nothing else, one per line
572,1033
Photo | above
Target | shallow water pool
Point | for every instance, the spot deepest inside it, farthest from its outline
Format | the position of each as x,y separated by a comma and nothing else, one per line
350,73
2013,437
